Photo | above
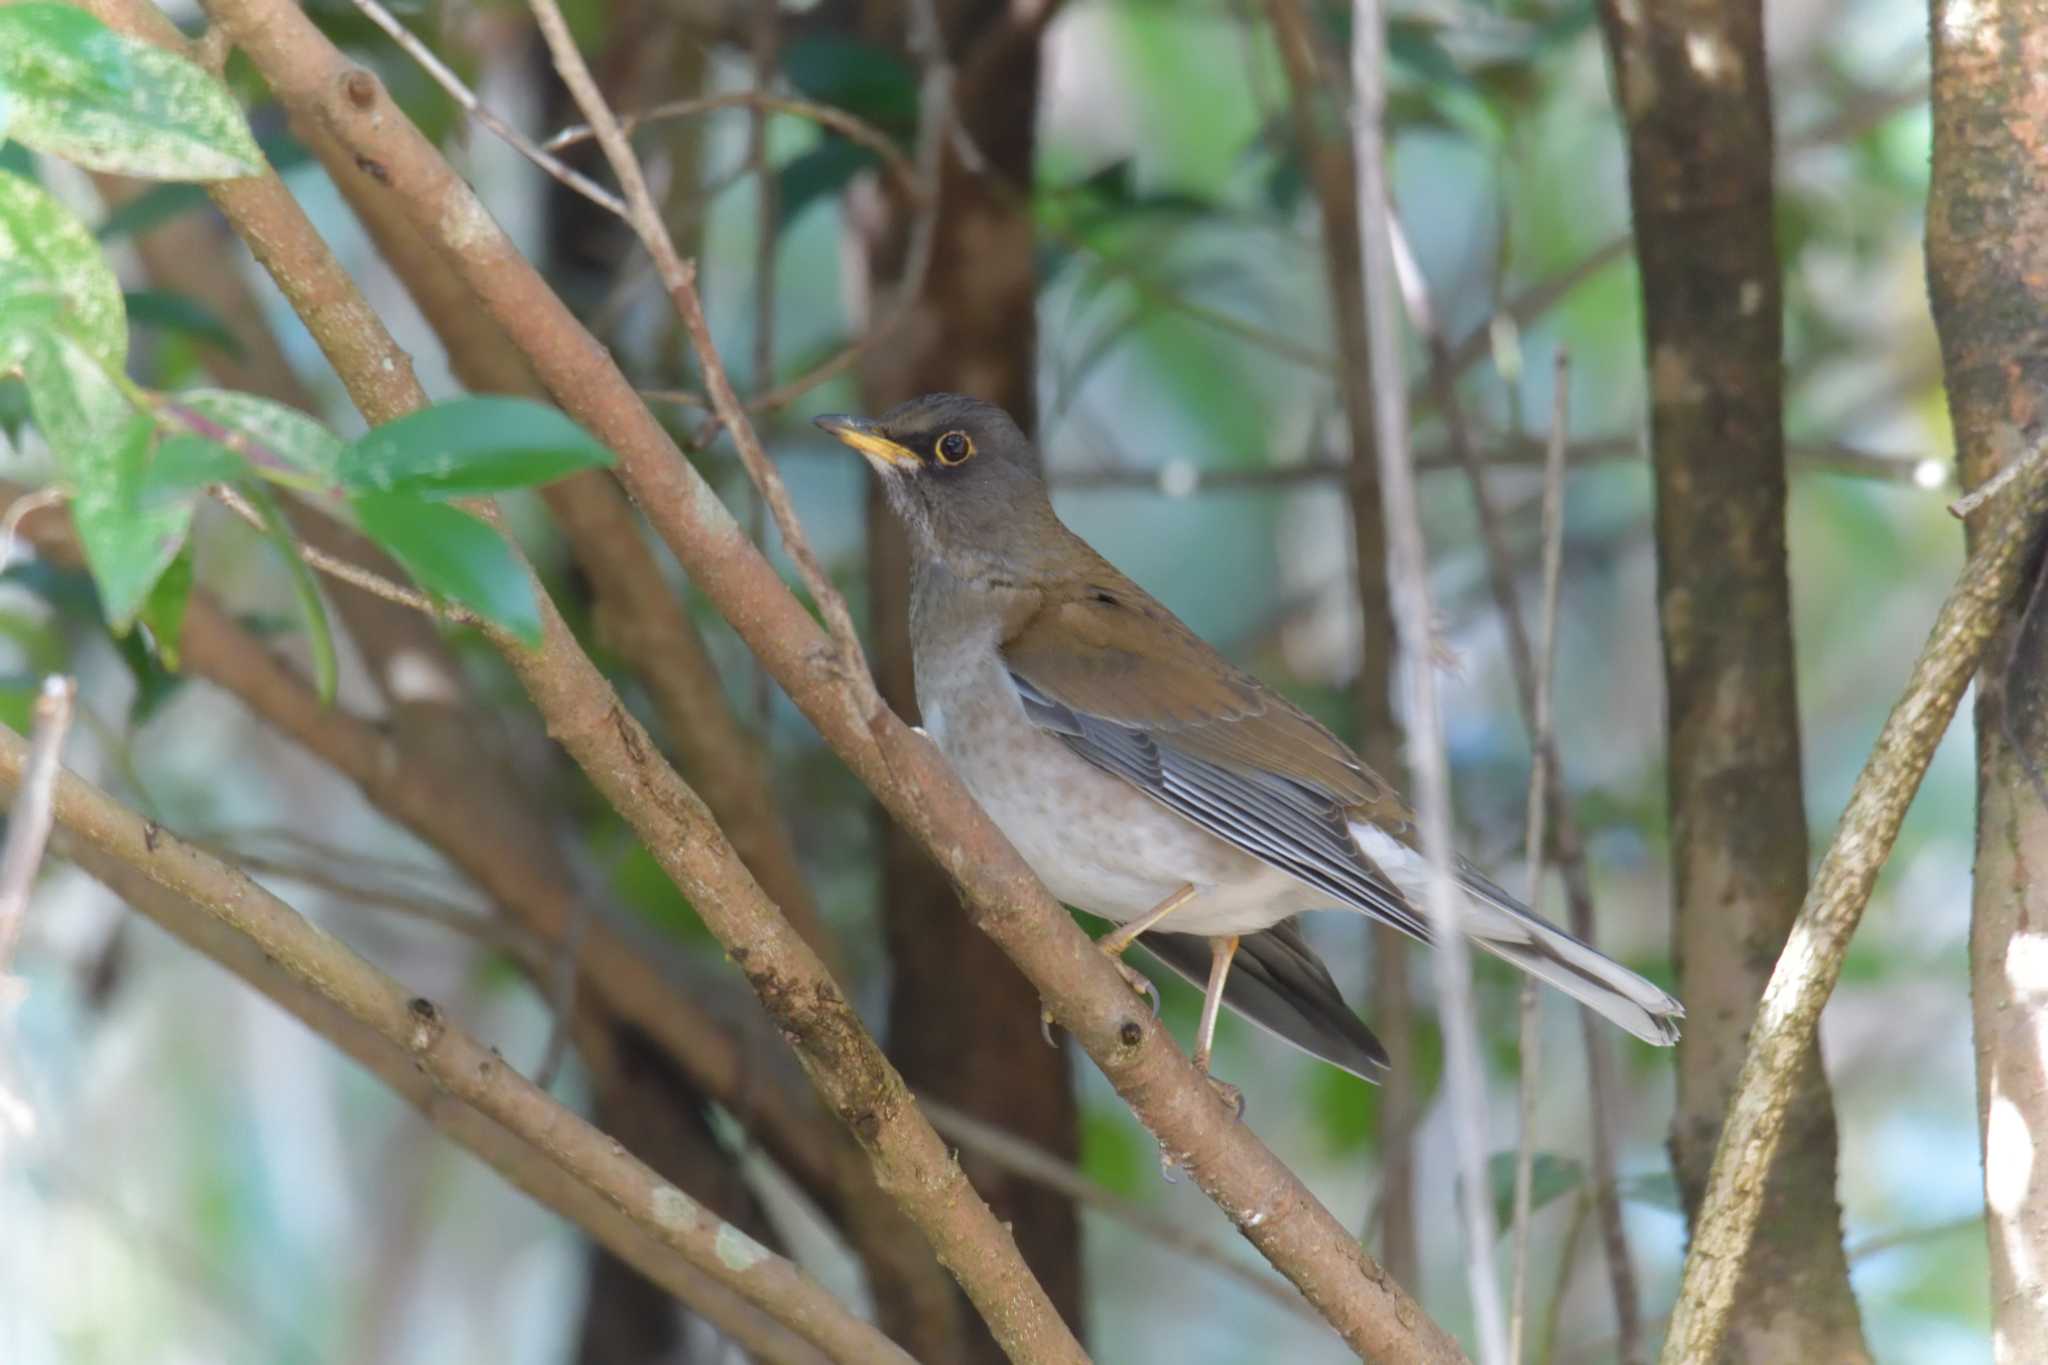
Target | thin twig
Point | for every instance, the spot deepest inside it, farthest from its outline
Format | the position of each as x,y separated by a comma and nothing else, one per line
848,125
28,820
1409,565
1523,664
767,238
1534,843
1567,1260
1807,970
935,103
567,969
355,575
1993,486
679,277
489,930
1068,468
481,112
1882,1242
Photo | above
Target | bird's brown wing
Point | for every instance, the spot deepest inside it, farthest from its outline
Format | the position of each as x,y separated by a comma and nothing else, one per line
1136,693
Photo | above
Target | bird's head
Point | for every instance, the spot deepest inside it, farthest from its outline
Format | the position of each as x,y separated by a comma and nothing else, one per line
961,475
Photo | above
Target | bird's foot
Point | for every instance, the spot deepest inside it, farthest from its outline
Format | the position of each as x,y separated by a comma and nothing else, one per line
1139,983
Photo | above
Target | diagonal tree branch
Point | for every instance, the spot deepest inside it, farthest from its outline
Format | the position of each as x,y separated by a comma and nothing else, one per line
1265,1200
587,718
458,1065
1812,961
523,1166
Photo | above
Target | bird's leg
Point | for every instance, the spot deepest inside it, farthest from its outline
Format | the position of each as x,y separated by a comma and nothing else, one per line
1124,935
1221,950
1116,941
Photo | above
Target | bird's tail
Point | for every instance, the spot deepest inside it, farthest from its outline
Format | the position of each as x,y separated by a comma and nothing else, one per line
1499,923
1505,927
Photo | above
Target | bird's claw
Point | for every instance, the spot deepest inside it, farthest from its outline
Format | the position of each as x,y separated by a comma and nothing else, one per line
1139,983
1045,1027
1228,1093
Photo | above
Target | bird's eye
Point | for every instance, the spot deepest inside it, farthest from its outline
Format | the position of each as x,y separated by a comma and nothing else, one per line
954,447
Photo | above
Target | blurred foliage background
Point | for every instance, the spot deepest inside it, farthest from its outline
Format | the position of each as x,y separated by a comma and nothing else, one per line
196,1178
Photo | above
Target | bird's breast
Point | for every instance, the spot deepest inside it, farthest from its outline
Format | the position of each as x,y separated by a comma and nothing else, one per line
1097,842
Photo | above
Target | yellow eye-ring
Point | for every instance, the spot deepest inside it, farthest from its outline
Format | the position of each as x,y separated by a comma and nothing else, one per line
954,447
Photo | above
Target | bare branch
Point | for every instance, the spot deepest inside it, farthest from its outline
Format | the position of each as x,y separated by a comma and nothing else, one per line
1534,843
1812,961
452,84
1408,561
1547,768
680,279
848,125
28,820
1984,492
342,571
459,1065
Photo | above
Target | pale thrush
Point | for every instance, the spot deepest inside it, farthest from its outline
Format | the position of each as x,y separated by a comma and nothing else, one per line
1145,778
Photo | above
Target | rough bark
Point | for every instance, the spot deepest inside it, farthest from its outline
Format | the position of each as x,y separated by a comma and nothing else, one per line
1692,85
962,1018
1987,264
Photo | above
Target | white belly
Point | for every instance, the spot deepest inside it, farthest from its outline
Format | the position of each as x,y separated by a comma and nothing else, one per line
1097,842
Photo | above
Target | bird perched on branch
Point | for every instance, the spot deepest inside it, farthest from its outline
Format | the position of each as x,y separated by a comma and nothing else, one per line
1149,781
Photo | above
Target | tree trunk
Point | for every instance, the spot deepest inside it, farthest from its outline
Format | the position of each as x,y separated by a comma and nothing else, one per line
963,1022
1987,266
1693,89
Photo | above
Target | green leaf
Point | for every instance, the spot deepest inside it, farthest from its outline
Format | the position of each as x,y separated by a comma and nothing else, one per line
182,315
863,78
75,403
163,611
30,307
76,89
816,174
40,234
295,439
312,608
102,447
155,684
184,465
161,203
127,546
1549,1177
453,555
469,446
